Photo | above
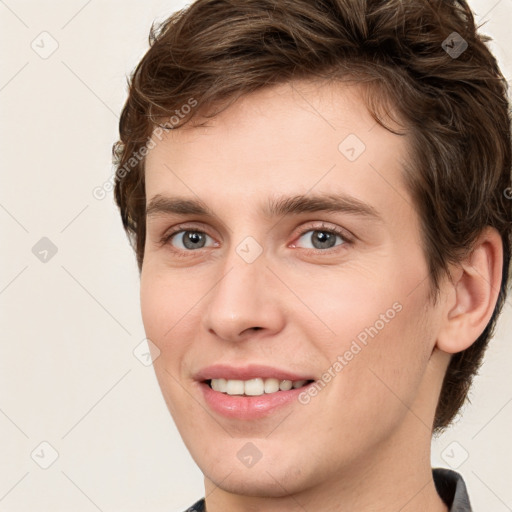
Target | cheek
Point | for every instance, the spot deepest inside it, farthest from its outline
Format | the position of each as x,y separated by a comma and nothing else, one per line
352,304
170,308
152,300
165,297
383,379
164,315
161,306
379,341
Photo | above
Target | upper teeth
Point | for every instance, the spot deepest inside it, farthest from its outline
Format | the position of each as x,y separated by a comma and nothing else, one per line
254,387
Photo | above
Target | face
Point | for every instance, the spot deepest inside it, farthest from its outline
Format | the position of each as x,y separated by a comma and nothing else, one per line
301,261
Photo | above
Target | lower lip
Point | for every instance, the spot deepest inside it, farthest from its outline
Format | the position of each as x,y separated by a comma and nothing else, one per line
249,407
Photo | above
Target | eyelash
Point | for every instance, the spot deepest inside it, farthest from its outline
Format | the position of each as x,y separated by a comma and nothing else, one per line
343,234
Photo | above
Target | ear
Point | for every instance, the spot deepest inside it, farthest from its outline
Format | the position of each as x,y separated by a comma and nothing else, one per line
472,294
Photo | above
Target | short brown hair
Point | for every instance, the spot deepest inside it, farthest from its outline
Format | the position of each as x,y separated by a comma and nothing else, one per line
454,105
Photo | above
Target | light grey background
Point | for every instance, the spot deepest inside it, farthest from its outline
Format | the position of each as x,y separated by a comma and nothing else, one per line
70,325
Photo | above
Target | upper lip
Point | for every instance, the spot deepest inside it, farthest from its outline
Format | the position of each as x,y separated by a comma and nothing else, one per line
224,371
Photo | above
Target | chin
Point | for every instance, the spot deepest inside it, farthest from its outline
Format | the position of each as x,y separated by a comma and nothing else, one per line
268,478
264,483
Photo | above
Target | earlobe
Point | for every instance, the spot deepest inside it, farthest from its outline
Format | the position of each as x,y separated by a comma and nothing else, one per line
472,294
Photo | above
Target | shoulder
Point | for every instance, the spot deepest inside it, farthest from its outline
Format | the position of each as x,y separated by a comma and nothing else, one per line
452,489
198,506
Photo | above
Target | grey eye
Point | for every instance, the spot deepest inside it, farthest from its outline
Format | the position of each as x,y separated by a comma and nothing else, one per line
187,239
321,239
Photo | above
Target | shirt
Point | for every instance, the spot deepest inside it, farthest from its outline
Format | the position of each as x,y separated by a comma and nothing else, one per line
449,485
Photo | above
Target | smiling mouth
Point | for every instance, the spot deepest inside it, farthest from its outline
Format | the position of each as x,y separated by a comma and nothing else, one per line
254,387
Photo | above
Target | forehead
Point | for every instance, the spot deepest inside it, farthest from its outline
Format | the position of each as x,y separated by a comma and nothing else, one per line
291,139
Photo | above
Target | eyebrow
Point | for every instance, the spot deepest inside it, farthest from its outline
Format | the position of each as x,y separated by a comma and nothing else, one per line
275,207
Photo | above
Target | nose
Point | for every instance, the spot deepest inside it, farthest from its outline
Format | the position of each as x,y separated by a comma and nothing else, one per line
246,298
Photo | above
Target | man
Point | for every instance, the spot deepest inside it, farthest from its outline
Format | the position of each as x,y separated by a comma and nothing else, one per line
317,194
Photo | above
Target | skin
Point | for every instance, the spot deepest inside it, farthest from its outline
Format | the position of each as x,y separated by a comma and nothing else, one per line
363,443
